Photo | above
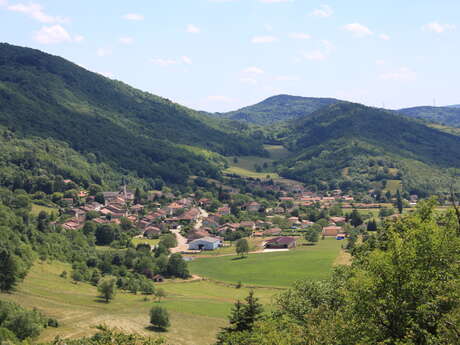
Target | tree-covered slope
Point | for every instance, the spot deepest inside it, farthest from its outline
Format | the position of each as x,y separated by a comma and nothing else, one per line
353,146
47,96
449,116
278,108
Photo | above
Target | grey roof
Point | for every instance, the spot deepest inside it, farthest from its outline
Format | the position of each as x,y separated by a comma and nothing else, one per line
207,239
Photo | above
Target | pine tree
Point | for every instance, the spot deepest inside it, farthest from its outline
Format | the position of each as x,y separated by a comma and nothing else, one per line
399,202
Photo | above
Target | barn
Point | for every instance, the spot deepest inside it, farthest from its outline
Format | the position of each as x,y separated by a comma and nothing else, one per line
205,243
281,243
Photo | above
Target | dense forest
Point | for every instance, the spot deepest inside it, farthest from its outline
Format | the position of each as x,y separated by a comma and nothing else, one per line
46,96
277,109
449,116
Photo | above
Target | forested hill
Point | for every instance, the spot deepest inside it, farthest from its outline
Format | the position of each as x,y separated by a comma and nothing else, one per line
278,108
136,132
353,145
449,116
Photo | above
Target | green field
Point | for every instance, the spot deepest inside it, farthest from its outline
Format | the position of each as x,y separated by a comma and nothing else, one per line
197,308
137,241
246,165
36,209
272,269
393,186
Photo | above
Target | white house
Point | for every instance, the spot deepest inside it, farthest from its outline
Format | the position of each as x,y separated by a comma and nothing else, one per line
205,243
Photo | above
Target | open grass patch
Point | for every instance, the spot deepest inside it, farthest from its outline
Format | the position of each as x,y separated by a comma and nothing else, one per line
278,269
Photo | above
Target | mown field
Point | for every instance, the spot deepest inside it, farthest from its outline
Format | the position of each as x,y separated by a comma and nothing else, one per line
36,209
197,308
246,166
279,269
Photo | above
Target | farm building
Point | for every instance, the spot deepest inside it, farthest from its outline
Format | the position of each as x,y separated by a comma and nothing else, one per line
281,242
205,243
331,230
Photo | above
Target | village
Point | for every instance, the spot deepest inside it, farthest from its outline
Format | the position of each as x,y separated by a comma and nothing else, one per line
205,224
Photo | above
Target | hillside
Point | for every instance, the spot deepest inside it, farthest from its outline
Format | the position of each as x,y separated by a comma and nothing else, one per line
353,146
448,116
134,132
278,108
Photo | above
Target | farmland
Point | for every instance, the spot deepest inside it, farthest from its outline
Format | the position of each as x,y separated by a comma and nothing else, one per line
278,269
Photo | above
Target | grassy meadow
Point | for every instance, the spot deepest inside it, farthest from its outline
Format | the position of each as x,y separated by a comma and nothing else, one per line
246,165
197,308
277,269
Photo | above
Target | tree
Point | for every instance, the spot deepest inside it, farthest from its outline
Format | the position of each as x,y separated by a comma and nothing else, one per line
355,218
312,235
168,240
159,317
177,267
399,202
137,196
159,294
242,247
242,317
9,270
107,289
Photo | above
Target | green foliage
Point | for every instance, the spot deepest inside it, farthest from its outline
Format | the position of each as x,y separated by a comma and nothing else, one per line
107,336
312,235
242,247
278,108
177,267
350,146
402,288
20,322
110,122
107,289
159,317
443,115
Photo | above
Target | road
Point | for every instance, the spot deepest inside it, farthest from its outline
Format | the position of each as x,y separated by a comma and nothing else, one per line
181,240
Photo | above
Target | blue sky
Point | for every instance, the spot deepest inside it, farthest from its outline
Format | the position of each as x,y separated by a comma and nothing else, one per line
219,55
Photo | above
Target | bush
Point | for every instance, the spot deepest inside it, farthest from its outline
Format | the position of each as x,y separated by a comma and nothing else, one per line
159,317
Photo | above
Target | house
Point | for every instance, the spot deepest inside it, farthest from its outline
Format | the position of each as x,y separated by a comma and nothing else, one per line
253,206
248,225
197,234
158,278
205,243
272,232
173,208
331,230
110,196
223,211
152,232
281,242
338,220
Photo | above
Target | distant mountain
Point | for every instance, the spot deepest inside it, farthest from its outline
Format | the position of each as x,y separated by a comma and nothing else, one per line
448,116
454,106
349,145
278,108
132,131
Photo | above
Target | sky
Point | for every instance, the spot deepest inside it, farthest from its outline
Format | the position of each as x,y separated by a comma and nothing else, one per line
221,55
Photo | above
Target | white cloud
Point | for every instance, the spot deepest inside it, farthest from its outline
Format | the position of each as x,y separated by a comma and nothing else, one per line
324,11
438,27
164,62
186,60
3,2
78,38
133,16
103,52
264,39
402,74
384,37
193,29
380,62
253,70
52,35
126,40
287,78
36,12
315,55
223,99
328,46
358,30
251,81
299,36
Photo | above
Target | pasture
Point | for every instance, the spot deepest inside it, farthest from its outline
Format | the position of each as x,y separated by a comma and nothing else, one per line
276,269
197,308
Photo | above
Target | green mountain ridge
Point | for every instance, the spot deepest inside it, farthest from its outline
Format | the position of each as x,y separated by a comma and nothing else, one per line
132,131
448,116
349,145
277,109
